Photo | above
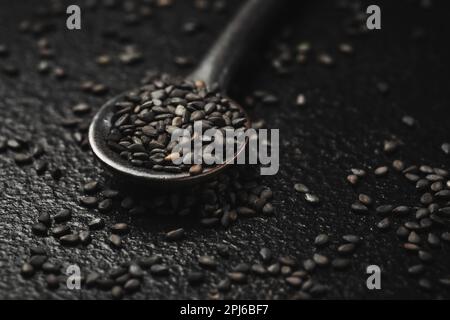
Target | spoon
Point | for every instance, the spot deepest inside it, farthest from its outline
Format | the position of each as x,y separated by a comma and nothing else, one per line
216,69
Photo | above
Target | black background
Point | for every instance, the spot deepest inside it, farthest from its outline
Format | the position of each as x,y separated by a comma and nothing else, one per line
342,126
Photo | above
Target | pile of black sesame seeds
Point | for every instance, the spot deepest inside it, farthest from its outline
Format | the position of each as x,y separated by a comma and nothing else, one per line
144,121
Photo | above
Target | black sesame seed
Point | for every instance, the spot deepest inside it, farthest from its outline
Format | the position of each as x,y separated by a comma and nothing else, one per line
120,228
40,229
85,237
445,236
358,172
422,184
117,292
81,108
318,290
359,207
402,232
381,171
346,248
268,209
105,205
390,146
299,187
352,178
309,265
321,240
311,198
159,270
27,270
13,144
422,213
63,216
10,70
409,121
425,256
434,177
135,271
433,240
2,144
37,261
443,194
195,277
445,282
224,285
132,286
412,225
237,277
426,198
89,201
266,254
49,267
96,224
104,284
294,281
127,203
90,187
147,262
91,279
414,238
401,210
245,211
274,269
52,281
412,177
384,224
115,240
436,186
241,267
340,263
70,239
207,262
384,209
425,284
175,235
351,238
23,158
40,166
411,247
446,148
195,169
60,230
110,193
365,199
416,269
38,251
425,223
45,218
398,165
320,259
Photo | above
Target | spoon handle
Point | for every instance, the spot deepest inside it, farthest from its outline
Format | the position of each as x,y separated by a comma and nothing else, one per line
245,28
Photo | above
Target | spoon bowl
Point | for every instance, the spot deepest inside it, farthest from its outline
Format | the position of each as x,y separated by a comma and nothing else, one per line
98,133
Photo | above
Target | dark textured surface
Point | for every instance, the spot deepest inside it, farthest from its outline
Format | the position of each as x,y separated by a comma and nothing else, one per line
343,125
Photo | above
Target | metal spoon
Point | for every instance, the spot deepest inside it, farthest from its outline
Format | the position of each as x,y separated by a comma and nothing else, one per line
216,68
